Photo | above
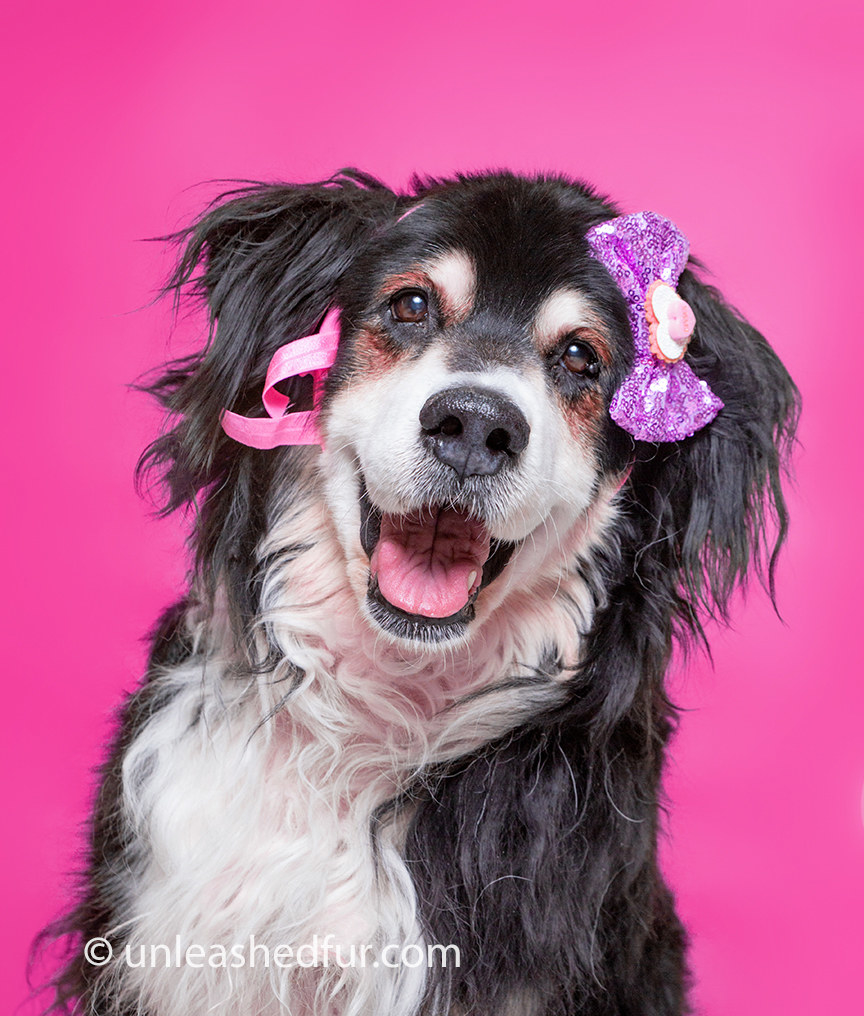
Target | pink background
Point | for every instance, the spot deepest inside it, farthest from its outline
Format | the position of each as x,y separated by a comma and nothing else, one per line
739,120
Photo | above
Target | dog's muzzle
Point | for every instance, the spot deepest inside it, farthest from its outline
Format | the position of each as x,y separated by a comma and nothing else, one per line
427,566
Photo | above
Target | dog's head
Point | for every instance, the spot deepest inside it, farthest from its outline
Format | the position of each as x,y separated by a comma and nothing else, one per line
468,450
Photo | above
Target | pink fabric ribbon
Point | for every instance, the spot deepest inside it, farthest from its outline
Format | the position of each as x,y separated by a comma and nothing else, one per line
313,354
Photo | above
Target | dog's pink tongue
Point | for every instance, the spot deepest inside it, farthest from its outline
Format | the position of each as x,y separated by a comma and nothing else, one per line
430,562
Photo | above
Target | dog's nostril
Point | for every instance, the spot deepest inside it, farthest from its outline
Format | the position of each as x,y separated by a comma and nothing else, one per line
498,440
451,426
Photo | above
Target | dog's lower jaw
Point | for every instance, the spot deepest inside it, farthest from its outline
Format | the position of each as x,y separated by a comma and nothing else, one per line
444,607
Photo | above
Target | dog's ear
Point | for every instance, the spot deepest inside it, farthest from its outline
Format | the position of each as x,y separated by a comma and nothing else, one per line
711,507
266,260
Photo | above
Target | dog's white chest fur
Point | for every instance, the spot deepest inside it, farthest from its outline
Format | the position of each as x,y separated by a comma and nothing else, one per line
264,837
260,828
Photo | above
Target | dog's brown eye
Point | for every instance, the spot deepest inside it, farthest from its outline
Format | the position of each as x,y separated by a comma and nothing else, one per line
410,306
579,358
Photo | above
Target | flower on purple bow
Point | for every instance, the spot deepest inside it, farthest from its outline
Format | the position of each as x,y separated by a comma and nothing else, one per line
670,322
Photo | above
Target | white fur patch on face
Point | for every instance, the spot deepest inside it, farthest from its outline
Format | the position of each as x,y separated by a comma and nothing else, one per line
372,431
566,310
454,277
375,426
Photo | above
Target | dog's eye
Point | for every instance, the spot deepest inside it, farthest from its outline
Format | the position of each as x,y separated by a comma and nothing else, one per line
579,358
410,306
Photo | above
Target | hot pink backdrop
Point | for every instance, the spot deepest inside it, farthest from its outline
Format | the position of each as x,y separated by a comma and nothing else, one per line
739,120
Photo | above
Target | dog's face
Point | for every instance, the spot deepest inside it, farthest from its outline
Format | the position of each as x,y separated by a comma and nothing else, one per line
466,428
469,458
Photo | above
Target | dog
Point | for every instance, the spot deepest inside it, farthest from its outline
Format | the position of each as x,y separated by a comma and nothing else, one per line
512,450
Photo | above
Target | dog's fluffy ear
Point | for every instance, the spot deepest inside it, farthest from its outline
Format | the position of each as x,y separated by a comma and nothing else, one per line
711,507
267,261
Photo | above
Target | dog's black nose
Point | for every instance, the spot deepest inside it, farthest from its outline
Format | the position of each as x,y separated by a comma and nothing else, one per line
473,430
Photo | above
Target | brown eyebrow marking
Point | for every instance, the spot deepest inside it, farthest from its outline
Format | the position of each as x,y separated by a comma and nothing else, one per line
412,279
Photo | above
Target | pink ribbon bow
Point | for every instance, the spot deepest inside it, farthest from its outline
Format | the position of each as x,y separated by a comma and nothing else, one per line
313,354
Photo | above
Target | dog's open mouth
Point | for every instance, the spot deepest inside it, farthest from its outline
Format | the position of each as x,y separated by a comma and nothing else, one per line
427,568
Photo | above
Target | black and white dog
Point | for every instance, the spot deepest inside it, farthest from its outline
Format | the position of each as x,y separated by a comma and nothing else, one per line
415,694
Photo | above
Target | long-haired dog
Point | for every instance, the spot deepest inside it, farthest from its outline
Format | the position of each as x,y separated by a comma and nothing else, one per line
414,699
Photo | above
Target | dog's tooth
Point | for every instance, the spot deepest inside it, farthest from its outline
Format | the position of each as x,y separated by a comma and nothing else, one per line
471,579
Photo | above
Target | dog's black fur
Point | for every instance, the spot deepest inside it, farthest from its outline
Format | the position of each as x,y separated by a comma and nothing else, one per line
537,856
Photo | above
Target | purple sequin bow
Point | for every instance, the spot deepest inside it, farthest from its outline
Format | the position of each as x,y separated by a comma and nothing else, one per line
659,400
